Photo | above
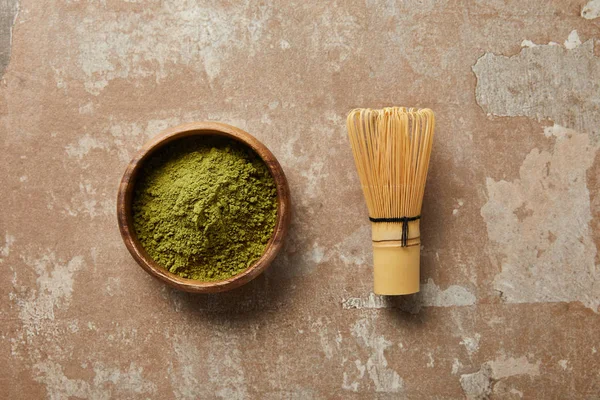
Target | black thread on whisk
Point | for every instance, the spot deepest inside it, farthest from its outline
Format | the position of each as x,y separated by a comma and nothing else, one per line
404,220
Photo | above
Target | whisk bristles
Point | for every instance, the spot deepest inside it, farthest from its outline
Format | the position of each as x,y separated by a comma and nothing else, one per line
391,148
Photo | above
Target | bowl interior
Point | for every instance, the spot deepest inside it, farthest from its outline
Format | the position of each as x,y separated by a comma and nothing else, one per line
201,130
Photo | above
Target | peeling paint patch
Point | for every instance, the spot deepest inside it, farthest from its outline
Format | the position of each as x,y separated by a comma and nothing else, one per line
591,10
122,139
456,366
182,373
328,345
125,137
538,225
88,202
564,364
477,386
471,343
527,43
572,41
460,203
226,372
336,36
313,175
384,378
317,253
84,145
9,240
8,15
454,295
107,382
140,45
284,44
87,108
55,280
480,385
371,301
516,392
430,296
532,84
504,367
113,286
292,392
226,377
431,362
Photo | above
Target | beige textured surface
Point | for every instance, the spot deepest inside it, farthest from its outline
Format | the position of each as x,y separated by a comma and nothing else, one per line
510,297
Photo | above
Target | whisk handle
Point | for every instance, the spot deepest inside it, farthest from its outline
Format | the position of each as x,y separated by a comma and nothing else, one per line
396,268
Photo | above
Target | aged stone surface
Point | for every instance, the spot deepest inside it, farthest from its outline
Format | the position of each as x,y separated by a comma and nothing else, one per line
510,298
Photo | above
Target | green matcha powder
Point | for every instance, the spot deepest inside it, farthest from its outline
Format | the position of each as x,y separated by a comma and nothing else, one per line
205,209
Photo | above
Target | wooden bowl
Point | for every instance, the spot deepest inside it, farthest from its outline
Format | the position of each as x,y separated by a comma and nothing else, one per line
125,216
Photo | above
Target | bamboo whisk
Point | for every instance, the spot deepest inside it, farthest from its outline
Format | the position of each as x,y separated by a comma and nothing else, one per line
391,150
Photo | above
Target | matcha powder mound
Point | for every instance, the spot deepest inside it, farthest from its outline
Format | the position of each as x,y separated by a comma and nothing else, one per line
205,209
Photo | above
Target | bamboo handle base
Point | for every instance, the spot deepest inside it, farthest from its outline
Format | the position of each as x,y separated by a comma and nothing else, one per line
396,269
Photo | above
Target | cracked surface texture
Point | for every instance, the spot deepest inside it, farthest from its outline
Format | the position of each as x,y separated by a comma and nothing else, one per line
509,307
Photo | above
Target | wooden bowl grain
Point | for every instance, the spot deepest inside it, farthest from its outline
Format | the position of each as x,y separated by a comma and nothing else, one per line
125,215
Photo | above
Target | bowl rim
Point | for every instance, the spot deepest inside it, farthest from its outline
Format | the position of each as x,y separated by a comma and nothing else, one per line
125,196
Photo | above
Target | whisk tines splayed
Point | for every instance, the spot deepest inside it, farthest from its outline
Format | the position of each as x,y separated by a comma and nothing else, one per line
392,148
